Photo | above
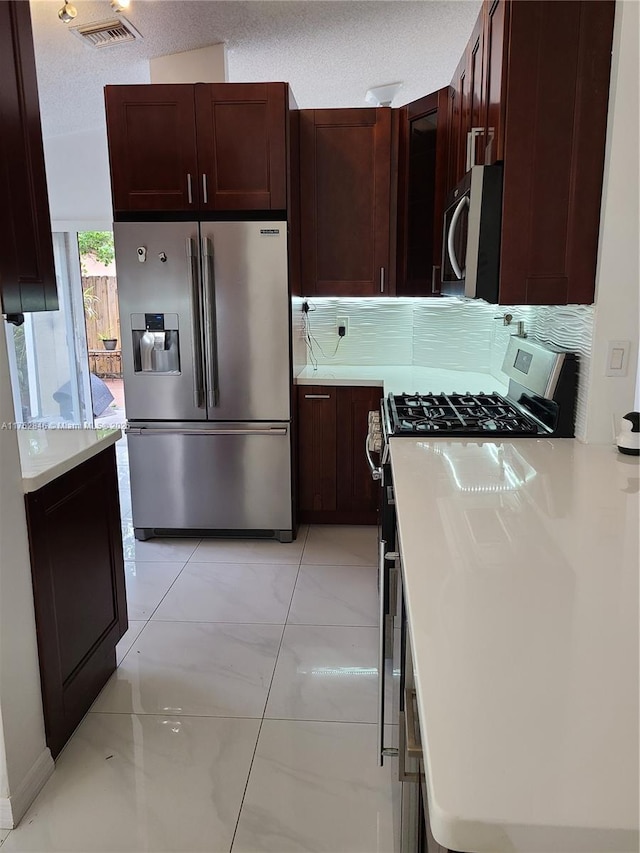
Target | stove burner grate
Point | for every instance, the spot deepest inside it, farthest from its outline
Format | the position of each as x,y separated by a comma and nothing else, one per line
457,414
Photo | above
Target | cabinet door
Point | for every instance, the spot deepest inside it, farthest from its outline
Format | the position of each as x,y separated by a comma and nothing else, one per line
476,95
459,124
242,145
79,589
316,451
27,272
345,172
152,147
556,115
422,184
357,493
495,67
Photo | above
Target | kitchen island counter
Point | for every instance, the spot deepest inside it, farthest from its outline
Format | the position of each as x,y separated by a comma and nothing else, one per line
46,454
397,379
520,565
70,482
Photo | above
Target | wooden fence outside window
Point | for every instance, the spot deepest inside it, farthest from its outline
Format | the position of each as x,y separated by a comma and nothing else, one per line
102,317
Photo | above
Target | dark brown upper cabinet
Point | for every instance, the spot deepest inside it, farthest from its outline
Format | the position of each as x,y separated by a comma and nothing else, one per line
422,176
200,147
467,112
345,197
152,147
555,95
27,271
531,91
241,145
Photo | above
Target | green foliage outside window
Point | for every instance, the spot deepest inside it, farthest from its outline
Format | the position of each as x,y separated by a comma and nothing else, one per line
98,244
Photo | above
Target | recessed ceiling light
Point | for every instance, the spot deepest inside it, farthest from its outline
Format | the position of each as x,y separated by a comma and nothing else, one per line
120,5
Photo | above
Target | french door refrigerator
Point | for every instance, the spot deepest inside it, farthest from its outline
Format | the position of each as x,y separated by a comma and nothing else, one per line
205,326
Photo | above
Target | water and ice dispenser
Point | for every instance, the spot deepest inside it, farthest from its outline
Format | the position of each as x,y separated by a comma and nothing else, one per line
156,343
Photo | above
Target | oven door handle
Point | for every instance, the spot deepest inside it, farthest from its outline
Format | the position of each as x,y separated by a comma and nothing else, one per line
382,555
376,472
382,546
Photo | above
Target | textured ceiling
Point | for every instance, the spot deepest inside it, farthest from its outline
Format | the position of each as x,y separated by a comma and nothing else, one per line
330,52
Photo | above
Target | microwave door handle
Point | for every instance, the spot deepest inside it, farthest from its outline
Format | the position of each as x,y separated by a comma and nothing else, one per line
196,329
209,322
459,273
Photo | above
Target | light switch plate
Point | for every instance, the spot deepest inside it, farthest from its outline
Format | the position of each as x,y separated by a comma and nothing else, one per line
617,358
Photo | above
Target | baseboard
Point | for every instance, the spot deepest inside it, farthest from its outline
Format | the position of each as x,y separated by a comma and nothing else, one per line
13,808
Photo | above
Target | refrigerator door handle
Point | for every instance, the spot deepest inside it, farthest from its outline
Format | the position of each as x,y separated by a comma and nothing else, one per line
196,330
209,322
241,431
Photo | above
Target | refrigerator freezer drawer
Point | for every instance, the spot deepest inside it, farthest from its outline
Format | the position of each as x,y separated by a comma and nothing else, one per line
227,476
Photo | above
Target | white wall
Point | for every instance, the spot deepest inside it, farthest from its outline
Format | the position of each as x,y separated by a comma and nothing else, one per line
25,761
206,65
616,314
78,181
77,164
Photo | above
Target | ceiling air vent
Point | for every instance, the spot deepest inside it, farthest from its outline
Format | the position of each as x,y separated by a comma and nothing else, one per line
106,33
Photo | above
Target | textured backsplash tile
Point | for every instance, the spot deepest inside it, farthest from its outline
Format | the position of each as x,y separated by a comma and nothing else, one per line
456,334
380,331
452,334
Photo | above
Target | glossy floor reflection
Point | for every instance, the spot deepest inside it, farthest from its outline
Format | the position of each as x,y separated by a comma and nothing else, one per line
241,715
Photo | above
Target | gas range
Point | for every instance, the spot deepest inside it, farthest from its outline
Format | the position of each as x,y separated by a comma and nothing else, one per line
456,414
540,402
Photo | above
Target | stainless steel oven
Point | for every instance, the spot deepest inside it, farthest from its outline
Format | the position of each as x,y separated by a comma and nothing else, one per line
398,731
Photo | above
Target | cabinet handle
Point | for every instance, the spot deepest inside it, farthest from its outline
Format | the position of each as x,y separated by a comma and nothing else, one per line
189,192
412,729
468,158
471,145
433,278
317,396
205,194
381,279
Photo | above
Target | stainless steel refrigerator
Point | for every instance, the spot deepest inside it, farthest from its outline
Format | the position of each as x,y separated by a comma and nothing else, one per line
205,326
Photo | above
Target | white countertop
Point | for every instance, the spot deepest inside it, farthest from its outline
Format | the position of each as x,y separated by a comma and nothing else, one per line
399,379
47,453
521,574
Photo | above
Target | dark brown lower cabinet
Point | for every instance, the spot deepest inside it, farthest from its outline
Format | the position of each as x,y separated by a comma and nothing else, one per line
334,482
79,589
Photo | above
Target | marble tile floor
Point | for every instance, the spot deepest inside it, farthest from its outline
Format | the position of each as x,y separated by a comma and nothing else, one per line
241,716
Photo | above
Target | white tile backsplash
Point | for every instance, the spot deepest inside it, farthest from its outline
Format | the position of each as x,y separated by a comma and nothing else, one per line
380,331
456,334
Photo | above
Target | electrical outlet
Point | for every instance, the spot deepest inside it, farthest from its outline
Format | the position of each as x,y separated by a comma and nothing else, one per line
343,322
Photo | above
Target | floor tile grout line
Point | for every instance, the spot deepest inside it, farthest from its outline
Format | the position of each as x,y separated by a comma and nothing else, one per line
190,621
266,701
244,622
165,715
146,621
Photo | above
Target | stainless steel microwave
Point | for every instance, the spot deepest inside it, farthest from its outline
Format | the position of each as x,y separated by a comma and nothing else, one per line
471,235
